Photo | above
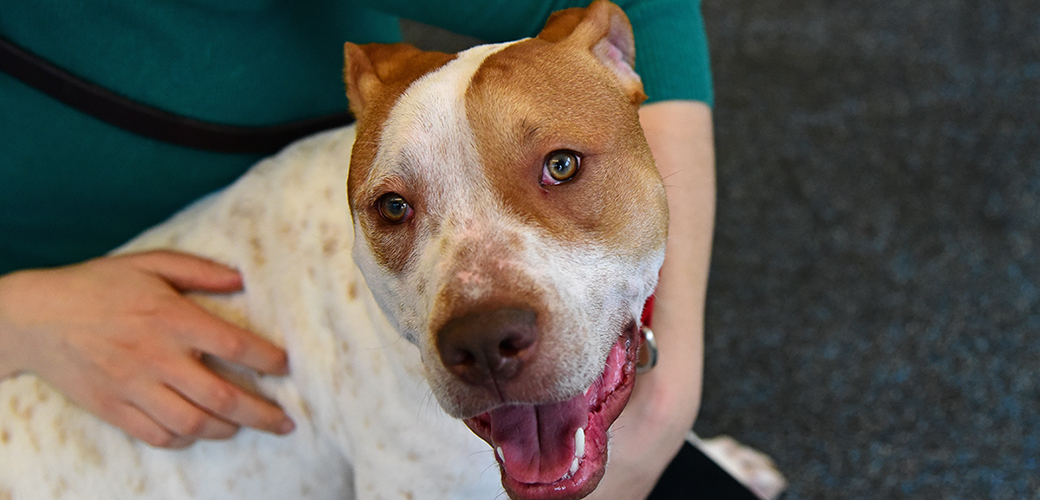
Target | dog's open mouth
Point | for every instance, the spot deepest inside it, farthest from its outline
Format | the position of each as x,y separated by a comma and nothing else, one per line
559,450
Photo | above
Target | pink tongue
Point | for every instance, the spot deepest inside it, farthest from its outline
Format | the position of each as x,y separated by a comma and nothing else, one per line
537,441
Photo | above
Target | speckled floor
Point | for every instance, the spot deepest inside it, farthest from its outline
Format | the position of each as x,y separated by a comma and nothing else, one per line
874,303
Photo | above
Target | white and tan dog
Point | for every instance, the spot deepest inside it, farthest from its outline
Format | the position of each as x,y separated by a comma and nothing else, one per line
506,218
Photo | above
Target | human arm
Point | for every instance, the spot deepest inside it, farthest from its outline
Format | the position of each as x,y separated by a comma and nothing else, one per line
117,336
666,399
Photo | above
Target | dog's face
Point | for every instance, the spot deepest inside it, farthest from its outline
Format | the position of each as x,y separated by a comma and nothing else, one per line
510,222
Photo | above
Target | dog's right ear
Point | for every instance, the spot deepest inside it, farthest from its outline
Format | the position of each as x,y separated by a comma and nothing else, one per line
604,29
376,71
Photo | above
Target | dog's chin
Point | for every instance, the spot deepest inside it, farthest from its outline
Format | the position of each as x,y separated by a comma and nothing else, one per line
539,448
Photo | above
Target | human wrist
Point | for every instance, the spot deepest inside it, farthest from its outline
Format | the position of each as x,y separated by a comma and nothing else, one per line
672,390
12,355
678,324
24,311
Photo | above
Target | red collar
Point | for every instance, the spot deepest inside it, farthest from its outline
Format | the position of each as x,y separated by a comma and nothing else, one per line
648,311
648,353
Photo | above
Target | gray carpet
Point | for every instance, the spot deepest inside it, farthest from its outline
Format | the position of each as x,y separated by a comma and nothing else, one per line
874,302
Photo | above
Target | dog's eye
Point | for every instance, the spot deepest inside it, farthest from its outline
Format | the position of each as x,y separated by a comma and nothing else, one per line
394,208
559,167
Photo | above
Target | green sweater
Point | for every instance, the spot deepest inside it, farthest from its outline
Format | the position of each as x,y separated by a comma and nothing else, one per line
72,187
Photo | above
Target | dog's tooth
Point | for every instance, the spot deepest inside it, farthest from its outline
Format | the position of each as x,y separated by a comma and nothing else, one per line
500,455
574,465
579,443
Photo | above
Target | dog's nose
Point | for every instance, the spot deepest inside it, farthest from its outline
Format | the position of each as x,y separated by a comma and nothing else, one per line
488,345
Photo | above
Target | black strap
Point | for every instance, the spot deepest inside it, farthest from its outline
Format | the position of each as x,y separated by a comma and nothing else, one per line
152,122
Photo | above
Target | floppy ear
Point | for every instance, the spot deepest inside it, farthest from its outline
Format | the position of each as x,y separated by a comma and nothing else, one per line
603,29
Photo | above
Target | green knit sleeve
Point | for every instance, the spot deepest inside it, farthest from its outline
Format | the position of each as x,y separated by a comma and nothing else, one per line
671,49
671,45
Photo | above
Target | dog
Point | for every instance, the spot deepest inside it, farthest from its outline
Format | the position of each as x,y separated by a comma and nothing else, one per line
503,225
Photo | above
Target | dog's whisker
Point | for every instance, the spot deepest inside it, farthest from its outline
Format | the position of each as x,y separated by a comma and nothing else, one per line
489,467
667,176
427,405
383,346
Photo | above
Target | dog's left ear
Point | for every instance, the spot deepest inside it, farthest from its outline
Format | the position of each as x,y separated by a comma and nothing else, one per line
372,69
602,28
360,78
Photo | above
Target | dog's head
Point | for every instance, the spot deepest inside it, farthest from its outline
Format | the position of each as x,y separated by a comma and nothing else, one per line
511,222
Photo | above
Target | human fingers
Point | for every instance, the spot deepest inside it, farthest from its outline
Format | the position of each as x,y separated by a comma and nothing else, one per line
219,398
212,335
200,331
140,425
177,413
186,272
207,332
144,405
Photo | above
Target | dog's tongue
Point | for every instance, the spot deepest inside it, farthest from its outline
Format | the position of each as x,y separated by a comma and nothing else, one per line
537,441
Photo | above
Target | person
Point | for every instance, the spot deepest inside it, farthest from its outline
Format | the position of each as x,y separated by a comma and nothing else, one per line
117,335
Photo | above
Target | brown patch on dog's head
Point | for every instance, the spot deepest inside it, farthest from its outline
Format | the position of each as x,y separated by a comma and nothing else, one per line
521,103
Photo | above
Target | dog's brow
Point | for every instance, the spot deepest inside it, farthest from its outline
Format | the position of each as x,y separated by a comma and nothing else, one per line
402,175
530,131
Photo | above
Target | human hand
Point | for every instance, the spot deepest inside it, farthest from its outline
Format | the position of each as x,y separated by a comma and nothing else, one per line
116,336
